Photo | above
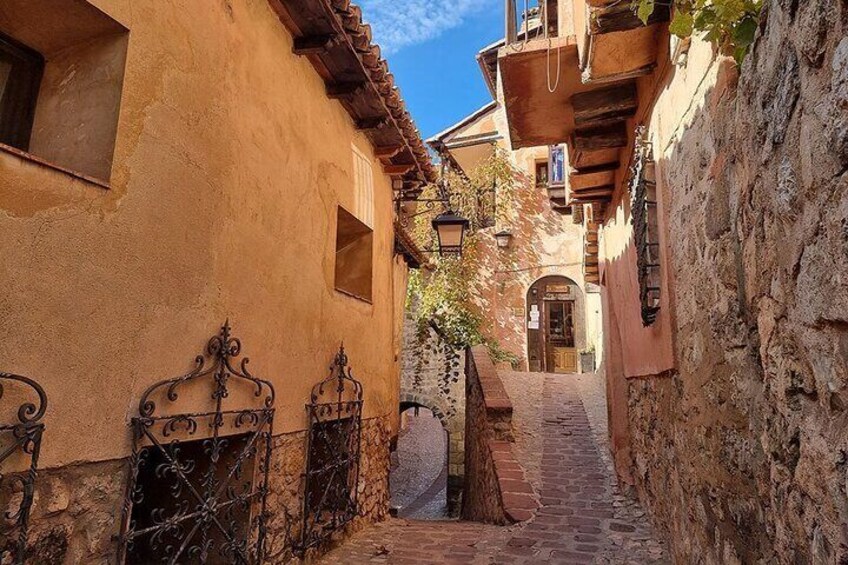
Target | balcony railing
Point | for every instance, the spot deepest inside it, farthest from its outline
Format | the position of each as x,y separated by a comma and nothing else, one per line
530,19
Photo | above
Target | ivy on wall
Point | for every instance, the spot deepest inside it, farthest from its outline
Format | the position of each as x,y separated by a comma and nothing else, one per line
443,294
731,24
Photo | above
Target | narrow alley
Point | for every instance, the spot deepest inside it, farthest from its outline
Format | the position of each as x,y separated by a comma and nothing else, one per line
560,427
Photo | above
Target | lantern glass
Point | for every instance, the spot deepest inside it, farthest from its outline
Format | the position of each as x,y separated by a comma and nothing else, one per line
503,238
450,230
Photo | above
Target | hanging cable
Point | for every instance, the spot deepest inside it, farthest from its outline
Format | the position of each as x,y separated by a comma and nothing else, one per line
551,89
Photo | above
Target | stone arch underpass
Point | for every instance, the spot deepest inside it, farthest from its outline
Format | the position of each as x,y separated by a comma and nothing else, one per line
433,377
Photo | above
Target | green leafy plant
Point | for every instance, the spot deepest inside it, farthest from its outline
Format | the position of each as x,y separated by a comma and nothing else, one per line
443,294
732,24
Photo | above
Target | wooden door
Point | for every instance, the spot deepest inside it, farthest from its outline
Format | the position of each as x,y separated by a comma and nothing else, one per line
559,336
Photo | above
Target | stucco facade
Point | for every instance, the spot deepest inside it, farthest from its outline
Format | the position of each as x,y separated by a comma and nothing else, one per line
229,164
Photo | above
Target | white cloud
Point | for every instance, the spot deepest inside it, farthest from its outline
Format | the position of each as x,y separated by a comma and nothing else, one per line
400,23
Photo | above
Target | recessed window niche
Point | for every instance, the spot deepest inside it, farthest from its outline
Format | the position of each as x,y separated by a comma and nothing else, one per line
73,105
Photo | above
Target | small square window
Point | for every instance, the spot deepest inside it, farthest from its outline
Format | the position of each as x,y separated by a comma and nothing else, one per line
21,69
541,173
354,253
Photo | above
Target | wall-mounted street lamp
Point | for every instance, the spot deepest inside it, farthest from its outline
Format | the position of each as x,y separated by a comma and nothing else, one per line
504,239
450,230
450,227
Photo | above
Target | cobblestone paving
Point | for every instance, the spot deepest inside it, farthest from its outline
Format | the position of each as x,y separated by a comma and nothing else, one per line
584,517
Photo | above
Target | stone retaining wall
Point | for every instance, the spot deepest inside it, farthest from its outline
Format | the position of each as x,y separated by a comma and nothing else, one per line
496,489
741,454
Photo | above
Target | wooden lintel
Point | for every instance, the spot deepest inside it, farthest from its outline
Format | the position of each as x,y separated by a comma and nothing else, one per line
591,200
344,89
312,44
397,170
388,151
621,17
372,123
605,104
606,137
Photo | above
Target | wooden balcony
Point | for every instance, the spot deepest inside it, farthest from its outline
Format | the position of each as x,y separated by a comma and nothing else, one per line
598,57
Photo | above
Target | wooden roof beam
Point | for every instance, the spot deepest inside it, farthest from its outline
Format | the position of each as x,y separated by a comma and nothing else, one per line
387,152
339,90
605,137
314,44
605,104
398,170
622,17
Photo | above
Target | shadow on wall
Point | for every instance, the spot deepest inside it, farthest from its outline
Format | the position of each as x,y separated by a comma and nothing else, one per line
740,452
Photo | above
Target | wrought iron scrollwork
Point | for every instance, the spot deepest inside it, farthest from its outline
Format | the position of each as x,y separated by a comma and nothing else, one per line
20,445
198,481
333,454
645,227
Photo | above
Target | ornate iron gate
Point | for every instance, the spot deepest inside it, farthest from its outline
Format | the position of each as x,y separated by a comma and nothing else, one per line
21,439
198,481
333,454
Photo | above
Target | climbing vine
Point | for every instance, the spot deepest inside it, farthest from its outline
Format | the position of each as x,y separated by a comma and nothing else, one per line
443,294
731,24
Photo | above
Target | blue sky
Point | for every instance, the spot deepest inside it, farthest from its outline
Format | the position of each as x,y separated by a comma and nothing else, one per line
431,46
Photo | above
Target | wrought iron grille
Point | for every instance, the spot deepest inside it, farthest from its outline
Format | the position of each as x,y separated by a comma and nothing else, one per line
645,227
20,444
333,454
198,481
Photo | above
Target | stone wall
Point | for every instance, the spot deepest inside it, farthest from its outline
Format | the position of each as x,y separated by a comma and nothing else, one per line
433,376
496,489
741,453
76,515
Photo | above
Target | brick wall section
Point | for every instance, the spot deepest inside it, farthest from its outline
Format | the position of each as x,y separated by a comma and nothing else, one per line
496,489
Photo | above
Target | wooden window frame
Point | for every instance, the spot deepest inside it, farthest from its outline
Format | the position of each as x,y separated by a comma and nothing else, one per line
20,94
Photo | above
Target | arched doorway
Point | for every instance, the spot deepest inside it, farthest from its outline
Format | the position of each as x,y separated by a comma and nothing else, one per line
419,484
555,325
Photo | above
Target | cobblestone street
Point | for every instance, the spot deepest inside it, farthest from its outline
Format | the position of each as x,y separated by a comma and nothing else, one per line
560,430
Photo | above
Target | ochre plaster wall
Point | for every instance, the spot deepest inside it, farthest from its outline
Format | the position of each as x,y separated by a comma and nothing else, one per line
229,164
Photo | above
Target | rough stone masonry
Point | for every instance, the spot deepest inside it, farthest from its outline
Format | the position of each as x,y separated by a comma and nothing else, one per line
742,453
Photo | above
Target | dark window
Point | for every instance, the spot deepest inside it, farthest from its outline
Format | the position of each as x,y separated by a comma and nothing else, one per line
643,191
331,456
541,173
354,251
21,70
556,165
174,479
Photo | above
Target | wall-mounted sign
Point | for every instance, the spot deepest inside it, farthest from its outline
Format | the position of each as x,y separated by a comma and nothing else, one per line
518,312
559,288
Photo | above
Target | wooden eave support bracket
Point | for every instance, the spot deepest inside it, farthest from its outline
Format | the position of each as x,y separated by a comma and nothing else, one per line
387,152
344,89
398,170
314,44
366,124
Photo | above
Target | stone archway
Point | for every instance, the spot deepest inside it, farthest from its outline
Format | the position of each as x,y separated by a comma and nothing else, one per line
455,430
556,324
